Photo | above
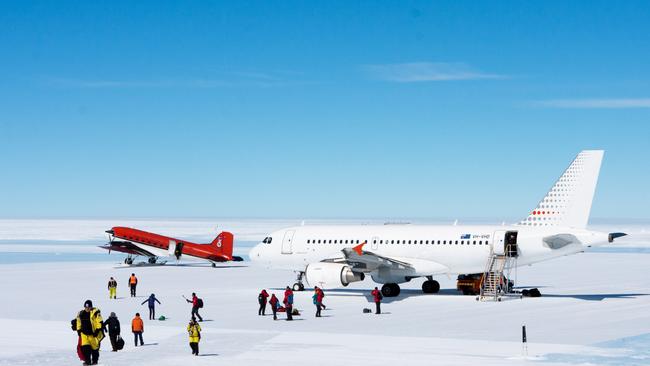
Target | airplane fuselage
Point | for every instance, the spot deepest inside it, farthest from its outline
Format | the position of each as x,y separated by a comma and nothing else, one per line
460,249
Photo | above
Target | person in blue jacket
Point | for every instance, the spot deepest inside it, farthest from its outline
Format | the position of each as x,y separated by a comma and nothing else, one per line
152,306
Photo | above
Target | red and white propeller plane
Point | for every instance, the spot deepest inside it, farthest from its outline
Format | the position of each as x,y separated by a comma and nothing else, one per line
136,242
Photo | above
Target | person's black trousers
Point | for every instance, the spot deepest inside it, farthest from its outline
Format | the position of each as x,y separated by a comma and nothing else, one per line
113,338
378,305
262,310
137,335
289,312
195,347
91,355
195,312
152,313
319,307
133,290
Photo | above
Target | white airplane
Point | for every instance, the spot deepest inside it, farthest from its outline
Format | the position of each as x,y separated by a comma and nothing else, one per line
335,256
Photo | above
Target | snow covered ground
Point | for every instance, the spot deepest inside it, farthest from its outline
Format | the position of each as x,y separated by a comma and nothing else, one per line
594,309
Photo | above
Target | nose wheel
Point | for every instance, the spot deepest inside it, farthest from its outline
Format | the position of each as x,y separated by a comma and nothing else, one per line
299,286
128,260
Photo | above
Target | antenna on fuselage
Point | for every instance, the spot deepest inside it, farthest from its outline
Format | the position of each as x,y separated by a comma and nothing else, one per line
302,223
455,222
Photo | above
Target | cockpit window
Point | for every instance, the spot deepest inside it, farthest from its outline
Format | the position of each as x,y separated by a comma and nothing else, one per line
267,240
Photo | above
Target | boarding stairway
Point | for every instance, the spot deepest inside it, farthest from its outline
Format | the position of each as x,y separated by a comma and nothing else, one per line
494,282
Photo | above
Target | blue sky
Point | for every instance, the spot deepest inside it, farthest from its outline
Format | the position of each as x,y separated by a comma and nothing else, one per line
319,109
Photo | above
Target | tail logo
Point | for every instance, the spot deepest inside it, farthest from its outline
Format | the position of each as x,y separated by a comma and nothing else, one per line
219,243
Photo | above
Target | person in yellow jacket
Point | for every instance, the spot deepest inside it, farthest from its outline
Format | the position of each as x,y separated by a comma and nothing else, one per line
90,329
112,288
194,331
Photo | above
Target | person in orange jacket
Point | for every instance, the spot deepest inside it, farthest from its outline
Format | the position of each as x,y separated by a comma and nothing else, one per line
133,282
137,327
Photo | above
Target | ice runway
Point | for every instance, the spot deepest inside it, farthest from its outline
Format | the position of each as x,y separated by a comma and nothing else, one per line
594,311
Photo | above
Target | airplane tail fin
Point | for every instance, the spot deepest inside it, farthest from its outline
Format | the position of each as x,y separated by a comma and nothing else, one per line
569,201
223,243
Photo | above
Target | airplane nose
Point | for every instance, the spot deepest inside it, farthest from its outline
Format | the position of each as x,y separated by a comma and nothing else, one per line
255,254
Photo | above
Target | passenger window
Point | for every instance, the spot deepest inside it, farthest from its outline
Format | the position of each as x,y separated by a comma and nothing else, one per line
330,241
456,242
474,242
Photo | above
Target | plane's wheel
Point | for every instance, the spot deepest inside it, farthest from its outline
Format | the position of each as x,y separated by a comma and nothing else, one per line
430,287
152,260
128,261
390,290
298,286
214,265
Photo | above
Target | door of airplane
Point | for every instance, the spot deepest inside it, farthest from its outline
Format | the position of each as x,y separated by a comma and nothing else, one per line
287,242
374,242
498,241
171,248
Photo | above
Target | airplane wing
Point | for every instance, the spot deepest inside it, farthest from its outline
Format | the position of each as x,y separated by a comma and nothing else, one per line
364,261
126,247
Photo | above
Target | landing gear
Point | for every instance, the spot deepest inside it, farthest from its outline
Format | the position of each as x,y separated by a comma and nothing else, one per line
430,287
214,265
152,260
299,286
128,260
390,290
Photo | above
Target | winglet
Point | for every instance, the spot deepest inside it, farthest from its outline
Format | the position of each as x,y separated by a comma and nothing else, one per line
359,248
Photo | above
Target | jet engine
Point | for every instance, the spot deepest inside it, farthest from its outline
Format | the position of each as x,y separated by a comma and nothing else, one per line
331,275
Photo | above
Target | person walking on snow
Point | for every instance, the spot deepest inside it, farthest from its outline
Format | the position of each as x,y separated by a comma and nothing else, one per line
90,328
112,288
152,306
194,331
322,295
262,299
133,282
318,300
376,295
275,304
137,327
196,302
288,302
112,324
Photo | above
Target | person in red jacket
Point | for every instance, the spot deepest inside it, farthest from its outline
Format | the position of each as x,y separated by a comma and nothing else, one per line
288,302
318,300
275,304
262,299
376,294
195,306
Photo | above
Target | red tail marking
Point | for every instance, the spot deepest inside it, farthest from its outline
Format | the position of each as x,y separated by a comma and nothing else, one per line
359,248
223,244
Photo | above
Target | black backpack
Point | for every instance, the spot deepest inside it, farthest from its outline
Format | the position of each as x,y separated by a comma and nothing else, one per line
73,324
199,302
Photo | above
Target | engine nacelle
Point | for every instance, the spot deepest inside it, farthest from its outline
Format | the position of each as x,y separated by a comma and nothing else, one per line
331,275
